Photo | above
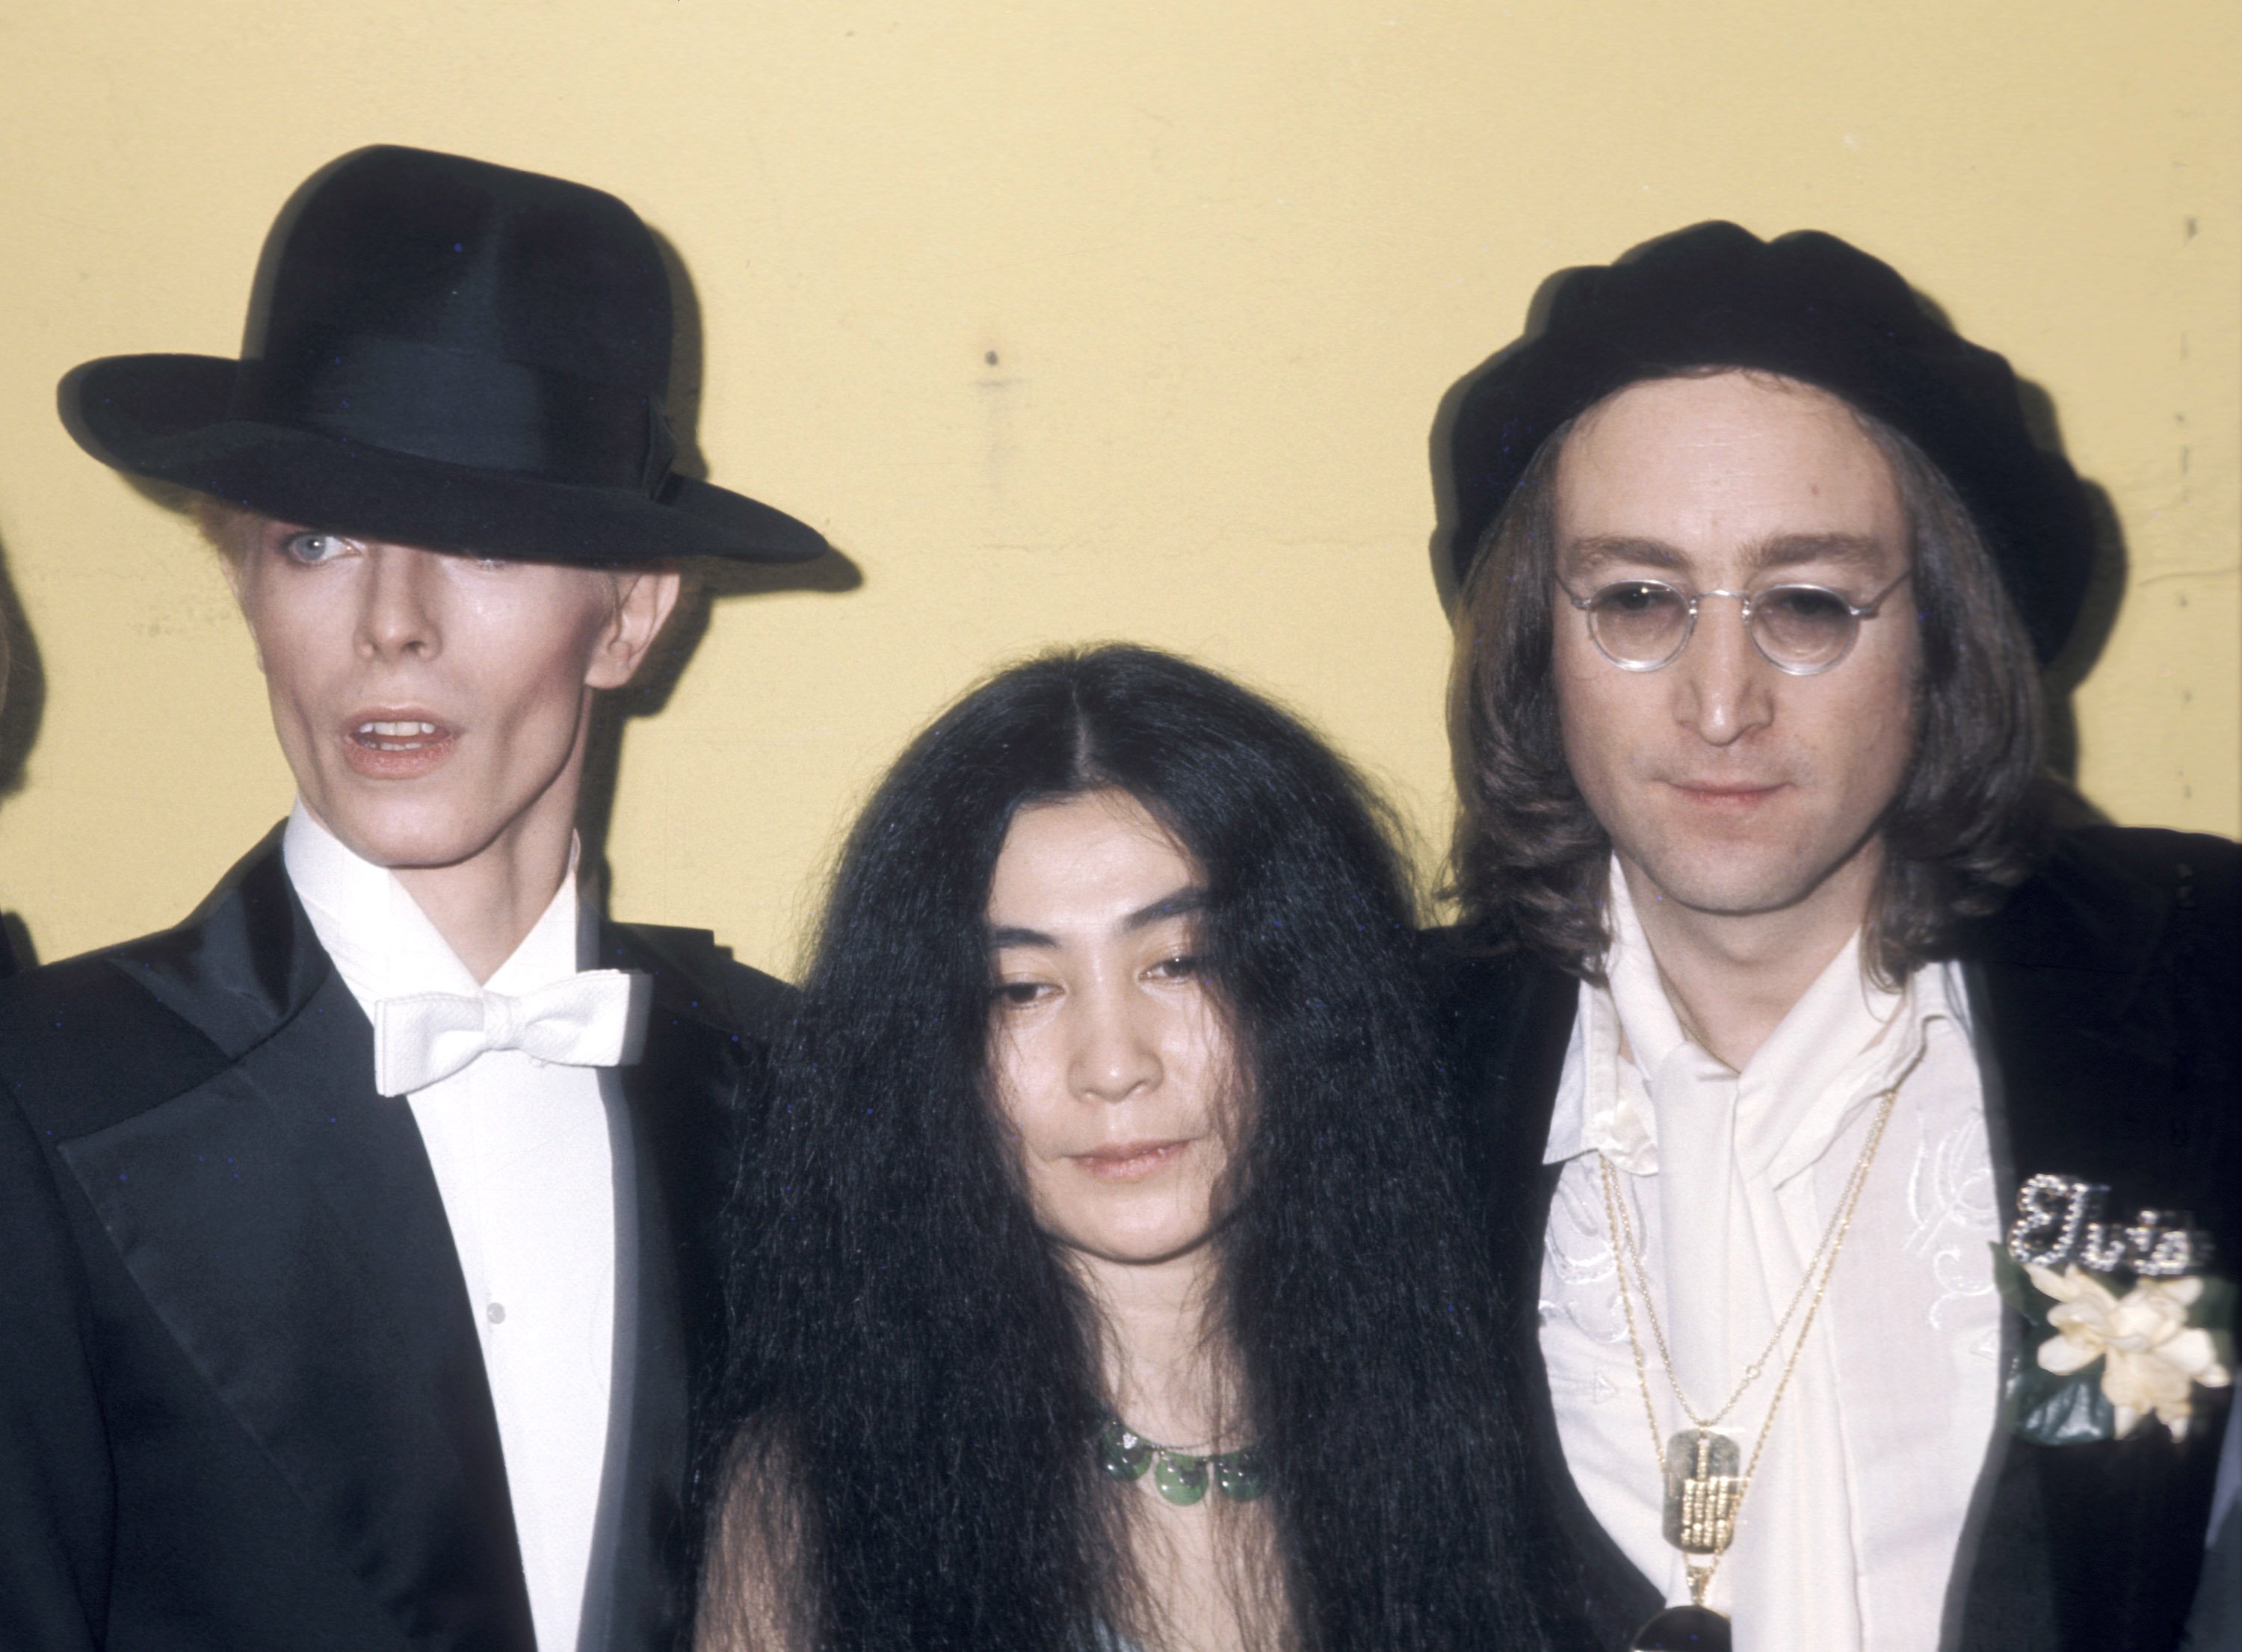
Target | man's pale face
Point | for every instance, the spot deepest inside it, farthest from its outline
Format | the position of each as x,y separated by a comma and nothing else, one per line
431,704
1733,787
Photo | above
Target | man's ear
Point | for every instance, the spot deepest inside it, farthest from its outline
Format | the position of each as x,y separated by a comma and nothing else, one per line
644,601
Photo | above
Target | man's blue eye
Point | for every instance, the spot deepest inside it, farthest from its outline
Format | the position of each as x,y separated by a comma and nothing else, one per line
312,548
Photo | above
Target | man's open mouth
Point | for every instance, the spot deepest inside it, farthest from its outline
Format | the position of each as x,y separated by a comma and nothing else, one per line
408,736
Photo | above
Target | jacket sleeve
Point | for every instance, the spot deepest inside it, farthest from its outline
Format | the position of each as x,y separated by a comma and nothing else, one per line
57,1495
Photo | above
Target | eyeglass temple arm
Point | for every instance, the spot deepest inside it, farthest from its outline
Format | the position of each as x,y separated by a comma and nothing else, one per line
1868,610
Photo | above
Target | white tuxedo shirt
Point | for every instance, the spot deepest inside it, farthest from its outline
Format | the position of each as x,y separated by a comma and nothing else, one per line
526,1166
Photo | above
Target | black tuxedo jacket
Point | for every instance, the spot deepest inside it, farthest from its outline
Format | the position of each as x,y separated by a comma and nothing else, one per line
242,1404
2106,997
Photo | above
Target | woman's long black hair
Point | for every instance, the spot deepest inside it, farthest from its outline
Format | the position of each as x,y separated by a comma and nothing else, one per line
913,1359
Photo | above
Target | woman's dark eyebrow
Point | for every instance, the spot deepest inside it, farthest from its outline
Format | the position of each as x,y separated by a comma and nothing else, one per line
1182,904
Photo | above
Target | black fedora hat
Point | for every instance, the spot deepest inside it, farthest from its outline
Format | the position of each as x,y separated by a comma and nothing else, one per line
1813,308
445,353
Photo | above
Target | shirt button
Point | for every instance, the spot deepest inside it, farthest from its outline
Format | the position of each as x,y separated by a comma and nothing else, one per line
495,1312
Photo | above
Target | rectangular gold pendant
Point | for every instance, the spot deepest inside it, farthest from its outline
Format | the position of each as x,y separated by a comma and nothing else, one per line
1702,1485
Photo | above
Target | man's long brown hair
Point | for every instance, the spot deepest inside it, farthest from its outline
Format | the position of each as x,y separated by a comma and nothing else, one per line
1530,861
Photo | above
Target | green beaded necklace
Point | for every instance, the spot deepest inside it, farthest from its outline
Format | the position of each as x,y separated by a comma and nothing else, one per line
1180,1476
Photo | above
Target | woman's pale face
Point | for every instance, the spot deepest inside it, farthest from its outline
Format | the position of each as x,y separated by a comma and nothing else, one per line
1110,1057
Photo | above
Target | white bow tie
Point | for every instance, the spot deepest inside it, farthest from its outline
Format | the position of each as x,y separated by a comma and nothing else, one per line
596,1018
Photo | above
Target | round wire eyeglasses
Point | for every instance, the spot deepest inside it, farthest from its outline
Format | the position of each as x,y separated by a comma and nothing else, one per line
1640,625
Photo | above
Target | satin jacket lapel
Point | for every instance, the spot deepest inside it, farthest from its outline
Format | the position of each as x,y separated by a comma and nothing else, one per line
282,1220
681,1105
2061,1540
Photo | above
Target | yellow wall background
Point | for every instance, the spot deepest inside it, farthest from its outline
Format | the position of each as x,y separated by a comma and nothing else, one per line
1226,257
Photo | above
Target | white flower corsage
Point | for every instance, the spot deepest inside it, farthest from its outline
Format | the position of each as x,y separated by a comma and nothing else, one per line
2151,1356
2102,1358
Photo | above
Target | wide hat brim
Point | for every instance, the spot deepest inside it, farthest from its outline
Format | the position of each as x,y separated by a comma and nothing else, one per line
170,418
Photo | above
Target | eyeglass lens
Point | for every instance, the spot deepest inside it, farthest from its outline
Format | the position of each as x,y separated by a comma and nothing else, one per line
1645,624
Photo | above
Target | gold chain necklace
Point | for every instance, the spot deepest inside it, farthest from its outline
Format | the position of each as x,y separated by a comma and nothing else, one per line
1830,1238
1704,1489
1752,1373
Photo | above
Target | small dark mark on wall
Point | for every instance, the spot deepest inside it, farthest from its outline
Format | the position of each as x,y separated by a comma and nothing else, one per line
990,359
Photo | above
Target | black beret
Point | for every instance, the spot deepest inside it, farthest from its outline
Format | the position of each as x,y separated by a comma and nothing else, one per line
1810,307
